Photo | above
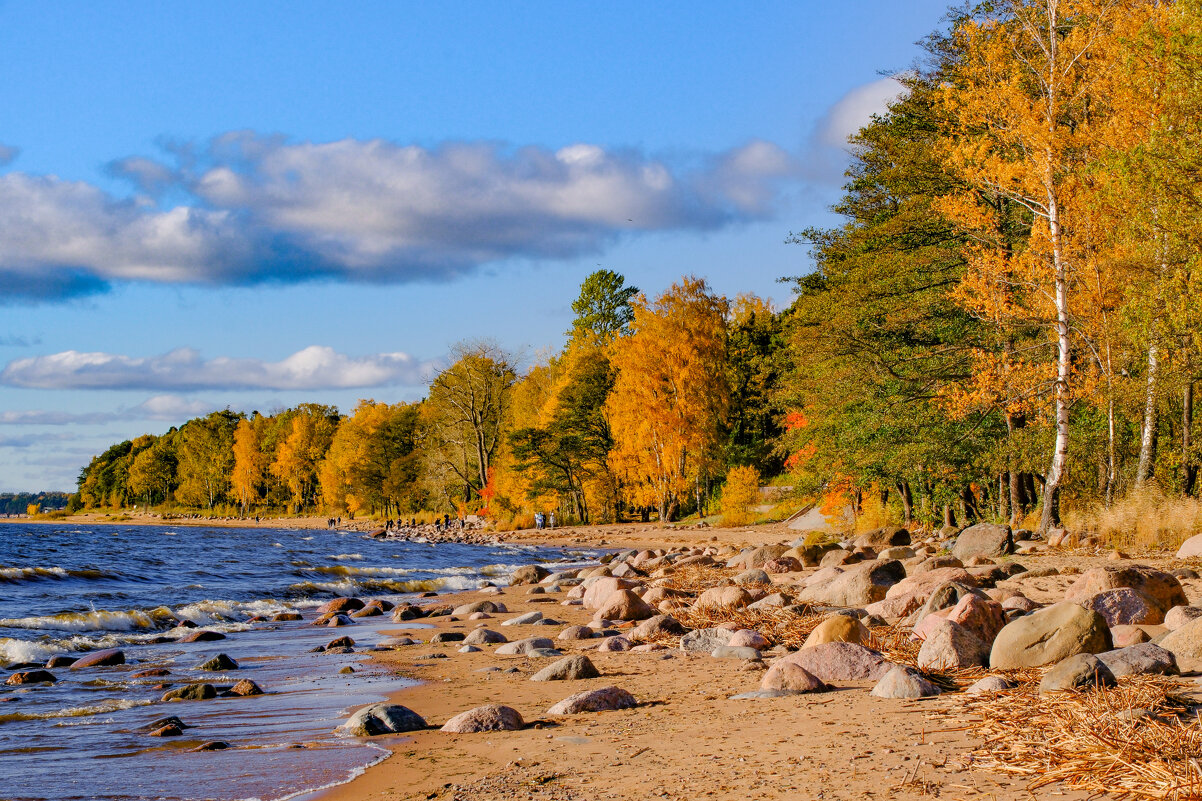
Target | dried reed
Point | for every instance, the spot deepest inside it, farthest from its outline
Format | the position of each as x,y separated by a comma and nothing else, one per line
1137,740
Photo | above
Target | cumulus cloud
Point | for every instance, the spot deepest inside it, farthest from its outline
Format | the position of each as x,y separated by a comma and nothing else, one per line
183,369
855,109
171,407
267,209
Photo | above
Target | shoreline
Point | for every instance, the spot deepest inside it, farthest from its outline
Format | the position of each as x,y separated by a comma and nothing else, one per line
686,738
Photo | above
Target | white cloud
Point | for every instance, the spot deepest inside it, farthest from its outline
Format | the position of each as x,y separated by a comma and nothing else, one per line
172,407
183,369
265,209
855,109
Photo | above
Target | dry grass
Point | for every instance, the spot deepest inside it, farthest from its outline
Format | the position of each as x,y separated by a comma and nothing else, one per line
1144,521
1092,741
696,578
778,626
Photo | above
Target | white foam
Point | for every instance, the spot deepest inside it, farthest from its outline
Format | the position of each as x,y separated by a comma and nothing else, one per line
96,620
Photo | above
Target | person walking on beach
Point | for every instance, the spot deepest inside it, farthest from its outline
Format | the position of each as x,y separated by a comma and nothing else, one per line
552,520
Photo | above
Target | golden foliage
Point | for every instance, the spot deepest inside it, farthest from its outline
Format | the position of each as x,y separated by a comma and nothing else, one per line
741,493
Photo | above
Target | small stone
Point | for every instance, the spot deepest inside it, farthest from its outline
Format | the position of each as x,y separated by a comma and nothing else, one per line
246,688
989,684
212,745
1077,672
602,700
523,620
191,692
786,677
902,682
571,668
218,663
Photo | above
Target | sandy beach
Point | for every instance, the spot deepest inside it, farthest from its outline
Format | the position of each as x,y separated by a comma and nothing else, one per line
686,738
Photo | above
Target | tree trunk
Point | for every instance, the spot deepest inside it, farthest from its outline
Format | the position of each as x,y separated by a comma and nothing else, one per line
1050,516
1003,496
907,501
949,517
1190,476
1147,440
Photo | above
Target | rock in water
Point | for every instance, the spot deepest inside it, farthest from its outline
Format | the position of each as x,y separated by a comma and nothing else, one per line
983,539
902,682
201,635
191,692
109,656
219,662
1048,636
246,688
382,719
602,700
570,668
1077,672
491,717
340,605
32,677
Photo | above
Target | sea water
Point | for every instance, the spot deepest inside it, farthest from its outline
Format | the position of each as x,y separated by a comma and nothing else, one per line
72,589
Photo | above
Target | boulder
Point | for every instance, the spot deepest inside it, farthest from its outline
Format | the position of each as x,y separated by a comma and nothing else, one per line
840,661
793,679
923,585
1161,590
218,663
837,628
615,644
340,605
578,633
1080,671
382,719
945,597
491,717
191,692
762,555
524,620
625,605
736,652
1185,642
881,538
983,539
245,688
1140,659
838,556
600,589
59,660
109,656
782,565
949,645
478,606
902,682
934,563
1174,619
529,574
31,677
894,608
570,668
984,618
602,700
747,638
705,640
525,647
728,597
1191,548
860,585
484,637
989,684
1123,607
1049,636
656,626
200,635
448,636
753,577
1123,636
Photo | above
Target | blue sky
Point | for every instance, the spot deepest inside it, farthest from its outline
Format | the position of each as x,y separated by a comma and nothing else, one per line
259,204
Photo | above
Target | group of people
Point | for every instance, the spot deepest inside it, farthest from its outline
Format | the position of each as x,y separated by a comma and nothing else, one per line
331,522
443,523
542,521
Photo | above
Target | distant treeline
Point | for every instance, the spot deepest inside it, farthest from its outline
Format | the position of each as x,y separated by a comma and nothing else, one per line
1008,320
18,503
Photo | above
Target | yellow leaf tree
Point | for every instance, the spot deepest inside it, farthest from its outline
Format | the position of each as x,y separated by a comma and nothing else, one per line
249,464
670,397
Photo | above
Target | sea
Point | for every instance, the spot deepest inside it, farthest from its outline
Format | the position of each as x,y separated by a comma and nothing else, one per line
72,589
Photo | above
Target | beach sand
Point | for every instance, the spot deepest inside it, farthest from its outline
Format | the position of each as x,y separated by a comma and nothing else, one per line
685,740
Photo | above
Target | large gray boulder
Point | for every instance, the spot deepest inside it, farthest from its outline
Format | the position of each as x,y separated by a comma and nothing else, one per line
1140,659
570,668
859,585
382,719
983,539
1161,590
1048,636
881,538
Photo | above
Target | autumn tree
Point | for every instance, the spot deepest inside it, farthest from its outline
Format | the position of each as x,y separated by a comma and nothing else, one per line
250,464
205,452
372,463
464,415
298,454
670,397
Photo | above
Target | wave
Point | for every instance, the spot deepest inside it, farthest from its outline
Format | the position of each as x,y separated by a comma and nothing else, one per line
97,620
13,575
368,586
352,570
347,556
102,708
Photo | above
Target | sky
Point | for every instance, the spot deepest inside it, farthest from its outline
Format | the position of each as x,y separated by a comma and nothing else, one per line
253,205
